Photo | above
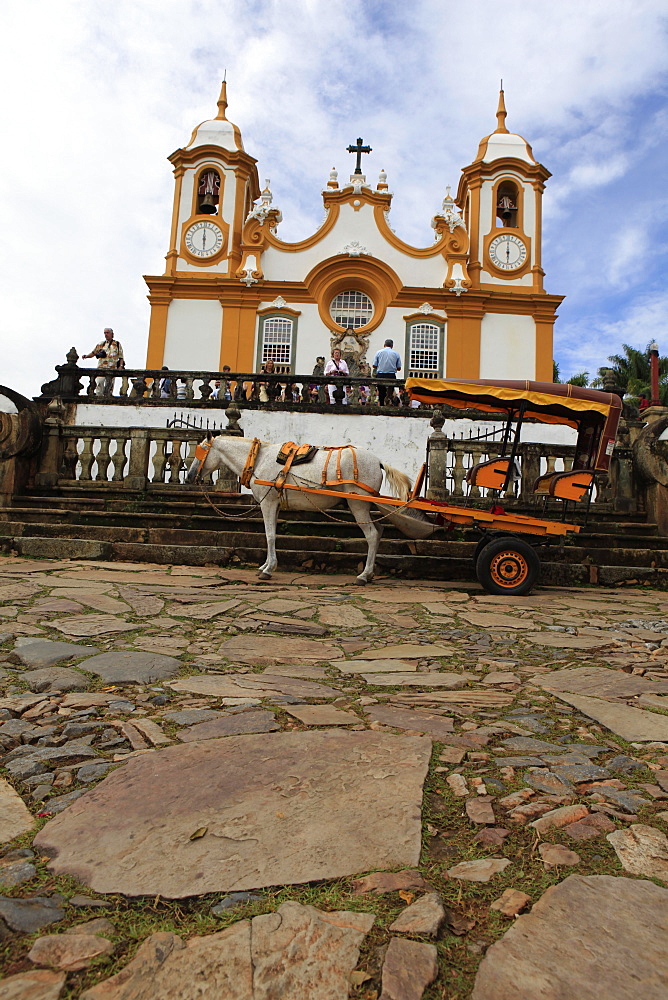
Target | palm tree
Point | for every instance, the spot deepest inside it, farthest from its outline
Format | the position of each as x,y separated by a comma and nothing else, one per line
632,373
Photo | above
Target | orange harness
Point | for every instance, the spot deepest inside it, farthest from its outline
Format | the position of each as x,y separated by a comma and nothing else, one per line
251,458
292,453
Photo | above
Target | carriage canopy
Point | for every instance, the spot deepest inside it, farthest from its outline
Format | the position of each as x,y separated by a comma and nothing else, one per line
595,415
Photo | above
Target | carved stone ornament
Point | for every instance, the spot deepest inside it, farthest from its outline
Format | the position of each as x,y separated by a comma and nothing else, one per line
426,308
353,346
279,302
458,287
355,249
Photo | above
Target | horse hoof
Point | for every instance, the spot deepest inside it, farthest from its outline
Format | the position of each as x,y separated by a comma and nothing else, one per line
264,576
360,581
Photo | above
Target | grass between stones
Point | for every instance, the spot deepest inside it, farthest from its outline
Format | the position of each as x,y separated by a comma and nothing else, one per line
447,833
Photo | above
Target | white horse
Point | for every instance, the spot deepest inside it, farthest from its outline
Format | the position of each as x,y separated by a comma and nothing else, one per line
233,452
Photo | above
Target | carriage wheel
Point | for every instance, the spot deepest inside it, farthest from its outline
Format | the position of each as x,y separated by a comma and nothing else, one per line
483,543
508,565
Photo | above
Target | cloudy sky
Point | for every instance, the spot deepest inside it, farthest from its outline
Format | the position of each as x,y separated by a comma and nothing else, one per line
96,95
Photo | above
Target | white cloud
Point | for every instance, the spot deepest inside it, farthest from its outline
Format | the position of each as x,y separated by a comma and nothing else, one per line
98,94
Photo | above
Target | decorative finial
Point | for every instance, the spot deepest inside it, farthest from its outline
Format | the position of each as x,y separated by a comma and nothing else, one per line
382,180
222,101
333,181
501,113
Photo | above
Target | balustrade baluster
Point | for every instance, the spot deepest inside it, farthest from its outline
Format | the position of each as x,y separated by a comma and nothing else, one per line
174,461
160,461
125,384
70,461
119,459
92,383
190,392
103,458
139,387
205,388
86,458
305,395
458,470
155,388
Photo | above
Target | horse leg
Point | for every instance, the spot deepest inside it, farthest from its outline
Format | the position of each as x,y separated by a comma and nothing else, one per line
269,507
362,514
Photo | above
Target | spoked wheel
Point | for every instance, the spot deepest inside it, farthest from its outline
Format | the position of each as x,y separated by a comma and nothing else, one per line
508,565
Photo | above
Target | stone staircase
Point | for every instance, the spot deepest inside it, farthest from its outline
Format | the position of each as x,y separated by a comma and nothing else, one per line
175,524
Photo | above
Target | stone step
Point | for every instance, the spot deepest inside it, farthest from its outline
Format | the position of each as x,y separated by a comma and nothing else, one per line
161,529
408,566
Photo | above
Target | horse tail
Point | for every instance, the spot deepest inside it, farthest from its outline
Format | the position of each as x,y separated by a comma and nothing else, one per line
400,484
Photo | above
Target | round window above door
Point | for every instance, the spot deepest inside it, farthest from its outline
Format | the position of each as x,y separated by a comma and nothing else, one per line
351,308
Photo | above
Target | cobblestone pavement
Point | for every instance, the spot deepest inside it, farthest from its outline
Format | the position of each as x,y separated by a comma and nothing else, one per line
215,788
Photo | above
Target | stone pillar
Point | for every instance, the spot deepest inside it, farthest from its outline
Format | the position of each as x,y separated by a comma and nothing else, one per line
228,481
49,469
137,477
67,384
437,451
530,455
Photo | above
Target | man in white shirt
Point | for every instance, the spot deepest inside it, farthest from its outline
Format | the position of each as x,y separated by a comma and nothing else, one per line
386,364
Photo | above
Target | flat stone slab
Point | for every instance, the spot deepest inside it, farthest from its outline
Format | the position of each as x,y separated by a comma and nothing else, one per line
405,650
632,724
253,686
642,850
278,809
38,984
15,817
587,937
344,616
492,619
91,625
322,715
45,652
564,640
434,725
231,725
263,650
55,679
600,682
373,666
192,716
297,952
129,667
426,679
203,612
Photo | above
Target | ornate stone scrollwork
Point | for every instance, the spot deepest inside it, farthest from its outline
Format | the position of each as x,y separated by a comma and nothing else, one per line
355,249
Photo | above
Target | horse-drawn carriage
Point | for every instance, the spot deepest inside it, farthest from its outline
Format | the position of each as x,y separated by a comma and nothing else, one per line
506,561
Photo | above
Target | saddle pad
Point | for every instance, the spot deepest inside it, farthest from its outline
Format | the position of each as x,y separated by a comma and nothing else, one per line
300,452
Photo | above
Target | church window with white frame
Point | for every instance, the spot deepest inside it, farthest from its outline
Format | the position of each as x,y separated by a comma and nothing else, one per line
351,308
277,338
424,341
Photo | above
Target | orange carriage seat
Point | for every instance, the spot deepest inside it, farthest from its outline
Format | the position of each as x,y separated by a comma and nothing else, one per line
572,485
490,475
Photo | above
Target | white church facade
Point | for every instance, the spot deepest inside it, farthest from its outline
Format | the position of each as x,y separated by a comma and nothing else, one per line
471,305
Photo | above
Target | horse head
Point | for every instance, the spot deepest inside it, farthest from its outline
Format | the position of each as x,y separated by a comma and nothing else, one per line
198,465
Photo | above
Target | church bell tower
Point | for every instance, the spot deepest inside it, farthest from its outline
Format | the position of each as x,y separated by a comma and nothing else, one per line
215,185
500,195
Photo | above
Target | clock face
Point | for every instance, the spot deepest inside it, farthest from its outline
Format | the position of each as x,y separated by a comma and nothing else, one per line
203,239
508,252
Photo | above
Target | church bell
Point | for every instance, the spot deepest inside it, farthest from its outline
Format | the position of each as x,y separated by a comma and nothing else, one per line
207,206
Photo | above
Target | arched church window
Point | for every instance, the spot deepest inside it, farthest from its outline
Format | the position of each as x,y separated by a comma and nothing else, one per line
351,308
507,200
277,342
208,192
424,350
